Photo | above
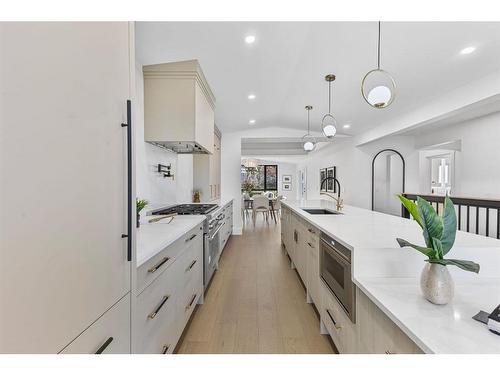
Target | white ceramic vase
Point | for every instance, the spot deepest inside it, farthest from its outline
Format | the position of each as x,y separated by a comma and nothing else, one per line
437,284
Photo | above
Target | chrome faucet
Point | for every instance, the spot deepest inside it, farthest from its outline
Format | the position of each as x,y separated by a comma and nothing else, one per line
339,202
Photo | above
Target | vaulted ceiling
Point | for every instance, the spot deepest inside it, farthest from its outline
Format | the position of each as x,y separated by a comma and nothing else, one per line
286,65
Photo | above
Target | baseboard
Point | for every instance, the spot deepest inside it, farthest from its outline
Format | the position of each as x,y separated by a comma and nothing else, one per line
237,231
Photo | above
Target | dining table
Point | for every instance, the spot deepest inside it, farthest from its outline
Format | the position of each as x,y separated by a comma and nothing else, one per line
249,201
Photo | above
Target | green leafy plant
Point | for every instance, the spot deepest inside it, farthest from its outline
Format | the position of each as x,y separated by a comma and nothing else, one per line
140,204
247,186
439,232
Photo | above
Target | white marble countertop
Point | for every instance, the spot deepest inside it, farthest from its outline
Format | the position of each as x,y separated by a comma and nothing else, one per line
389,276
154,237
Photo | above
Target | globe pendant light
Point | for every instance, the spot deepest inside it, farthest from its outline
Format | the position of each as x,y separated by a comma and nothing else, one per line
329,124
308,141
378,87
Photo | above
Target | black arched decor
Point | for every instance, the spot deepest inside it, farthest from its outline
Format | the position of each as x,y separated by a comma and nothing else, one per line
373,174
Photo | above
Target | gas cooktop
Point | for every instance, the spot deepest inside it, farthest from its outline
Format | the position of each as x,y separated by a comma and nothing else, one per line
187,209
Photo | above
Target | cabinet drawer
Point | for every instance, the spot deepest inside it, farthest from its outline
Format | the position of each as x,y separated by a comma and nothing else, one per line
187,302
377,333
151,269
190,263
338,324
156,313
110,334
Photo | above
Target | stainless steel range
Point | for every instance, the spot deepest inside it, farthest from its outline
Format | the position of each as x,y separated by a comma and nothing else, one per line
211,227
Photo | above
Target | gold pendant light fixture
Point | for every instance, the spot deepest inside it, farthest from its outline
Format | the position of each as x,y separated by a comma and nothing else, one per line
378,87
329,124
308,141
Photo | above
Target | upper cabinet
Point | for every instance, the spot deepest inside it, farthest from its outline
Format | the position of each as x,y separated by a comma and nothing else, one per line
206,171
179,107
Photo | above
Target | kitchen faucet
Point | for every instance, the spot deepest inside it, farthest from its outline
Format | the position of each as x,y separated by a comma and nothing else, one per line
338,200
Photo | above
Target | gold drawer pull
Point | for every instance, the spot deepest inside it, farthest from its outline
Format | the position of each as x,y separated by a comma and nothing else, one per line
190,238
158,265
333,320
157,310
389,352
191,303
191,266
165,349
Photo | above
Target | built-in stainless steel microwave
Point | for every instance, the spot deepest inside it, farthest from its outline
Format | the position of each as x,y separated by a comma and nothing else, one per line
335,270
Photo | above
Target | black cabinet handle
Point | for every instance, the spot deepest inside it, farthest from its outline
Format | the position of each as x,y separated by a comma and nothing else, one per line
157,310
165,349
159,264
130,220
191,303
104,346
191,265
190,238
310,245
333,320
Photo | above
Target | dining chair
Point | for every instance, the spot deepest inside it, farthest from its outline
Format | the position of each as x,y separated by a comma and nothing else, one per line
260,204
277,205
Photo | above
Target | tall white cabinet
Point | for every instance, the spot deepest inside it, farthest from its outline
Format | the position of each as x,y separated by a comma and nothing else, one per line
64,274
207,171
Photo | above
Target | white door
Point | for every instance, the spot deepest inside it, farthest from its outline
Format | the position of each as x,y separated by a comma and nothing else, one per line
63,97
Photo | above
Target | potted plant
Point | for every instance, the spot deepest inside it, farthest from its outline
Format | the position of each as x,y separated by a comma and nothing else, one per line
140,204
439,235
247,186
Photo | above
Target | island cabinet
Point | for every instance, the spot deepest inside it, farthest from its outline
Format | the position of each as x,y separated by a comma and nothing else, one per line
373,331
301,241
377,333
168,294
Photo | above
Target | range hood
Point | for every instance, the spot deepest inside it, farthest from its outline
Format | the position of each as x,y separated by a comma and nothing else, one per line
179,108
182,147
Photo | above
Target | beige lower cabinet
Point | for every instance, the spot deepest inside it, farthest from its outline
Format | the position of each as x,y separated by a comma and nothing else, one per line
164,306
337,323
313,278
377,333
373,331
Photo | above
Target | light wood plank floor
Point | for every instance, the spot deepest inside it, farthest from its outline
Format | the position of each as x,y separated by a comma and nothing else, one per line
255,303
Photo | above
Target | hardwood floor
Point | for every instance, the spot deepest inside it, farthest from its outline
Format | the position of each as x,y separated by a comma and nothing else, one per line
255,303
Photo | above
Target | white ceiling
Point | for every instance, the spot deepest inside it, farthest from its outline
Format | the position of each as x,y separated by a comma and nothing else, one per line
285,67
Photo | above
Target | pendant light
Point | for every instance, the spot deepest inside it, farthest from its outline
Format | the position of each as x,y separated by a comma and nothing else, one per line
378,86
308,141
329,124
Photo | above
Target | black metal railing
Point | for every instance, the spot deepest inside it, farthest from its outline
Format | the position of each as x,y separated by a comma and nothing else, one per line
474,215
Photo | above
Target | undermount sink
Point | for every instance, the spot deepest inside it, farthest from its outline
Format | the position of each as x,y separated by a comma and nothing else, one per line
321,211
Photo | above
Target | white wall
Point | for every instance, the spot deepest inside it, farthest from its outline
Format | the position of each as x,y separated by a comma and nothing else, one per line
231,164
150,184
284,168
354,167
477,164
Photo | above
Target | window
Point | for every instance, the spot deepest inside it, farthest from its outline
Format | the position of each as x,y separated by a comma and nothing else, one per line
263,178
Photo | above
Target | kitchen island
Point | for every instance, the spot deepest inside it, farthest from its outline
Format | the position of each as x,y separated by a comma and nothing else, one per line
387,276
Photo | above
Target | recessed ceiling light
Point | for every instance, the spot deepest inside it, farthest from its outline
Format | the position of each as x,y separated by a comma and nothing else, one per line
468,50
251,96
251,122
347,126
249,39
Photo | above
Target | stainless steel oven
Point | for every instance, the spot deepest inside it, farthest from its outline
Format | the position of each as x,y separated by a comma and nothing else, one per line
335,270
212,247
